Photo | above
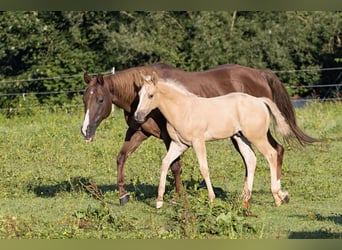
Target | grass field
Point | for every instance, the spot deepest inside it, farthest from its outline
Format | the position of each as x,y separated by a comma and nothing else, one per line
53,185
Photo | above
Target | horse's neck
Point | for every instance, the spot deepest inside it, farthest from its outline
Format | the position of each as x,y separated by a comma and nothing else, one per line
121,96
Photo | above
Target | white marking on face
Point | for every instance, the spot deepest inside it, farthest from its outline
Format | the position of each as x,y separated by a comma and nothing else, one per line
142,93
85,123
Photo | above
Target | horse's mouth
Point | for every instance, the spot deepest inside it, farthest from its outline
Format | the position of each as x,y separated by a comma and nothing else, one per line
88,140
87,137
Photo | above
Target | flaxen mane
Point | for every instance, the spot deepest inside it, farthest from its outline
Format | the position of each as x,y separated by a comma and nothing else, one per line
176,85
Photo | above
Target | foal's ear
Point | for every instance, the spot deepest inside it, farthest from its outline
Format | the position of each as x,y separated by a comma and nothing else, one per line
86,77
154,78
146,78
100,79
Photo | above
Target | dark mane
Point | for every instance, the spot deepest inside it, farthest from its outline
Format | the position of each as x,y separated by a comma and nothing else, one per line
126,83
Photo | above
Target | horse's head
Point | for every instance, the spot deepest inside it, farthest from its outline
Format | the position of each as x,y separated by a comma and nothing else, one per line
97,105
147,97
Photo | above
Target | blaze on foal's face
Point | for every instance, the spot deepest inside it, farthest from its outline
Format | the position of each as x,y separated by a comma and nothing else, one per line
97,105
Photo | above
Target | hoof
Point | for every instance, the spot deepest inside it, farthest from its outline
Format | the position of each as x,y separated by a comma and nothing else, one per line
286,199
159,204
281,197
202,184
124,199
246,204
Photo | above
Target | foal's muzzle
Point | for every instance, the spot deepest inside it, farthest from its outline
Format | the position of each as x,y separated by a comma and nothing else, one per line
140,116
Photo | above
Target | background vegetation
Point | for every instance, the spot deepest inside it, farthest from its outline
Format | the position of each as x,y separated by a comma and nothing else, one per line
53,185
59,46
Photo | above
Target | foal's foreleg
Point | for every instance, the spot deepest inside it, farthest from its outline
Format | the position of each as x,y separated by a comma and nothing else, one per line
173,153
249,158
201,153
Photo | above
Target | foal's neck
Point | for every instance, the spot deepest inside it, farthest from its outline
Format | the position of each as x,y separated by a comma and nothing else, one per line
174,102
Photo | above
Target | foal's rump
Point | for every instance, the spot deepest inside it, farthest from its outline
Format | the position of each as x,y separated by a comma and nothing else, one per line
250,115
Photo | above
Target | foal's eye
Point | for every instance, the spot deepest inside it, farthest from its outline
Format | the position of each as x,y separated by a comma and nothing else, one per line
150,96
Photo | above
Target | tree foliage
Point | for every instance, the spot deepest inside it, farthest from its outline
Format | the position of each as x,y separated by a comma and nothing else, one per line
58,46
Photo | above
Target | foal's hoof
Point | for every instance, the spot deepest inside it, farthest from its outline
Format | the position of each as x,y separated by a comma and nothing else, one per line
286,199
159,204
246,204
281,197
124,199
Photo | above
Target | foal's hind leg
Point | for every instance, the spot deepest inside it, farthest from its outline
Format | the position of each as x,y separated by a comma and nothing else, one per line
244,148
271,154
280,153
281,196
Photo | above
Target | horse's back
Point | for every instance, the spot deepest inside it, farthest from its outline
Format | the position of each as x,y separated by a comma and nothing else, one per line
219,80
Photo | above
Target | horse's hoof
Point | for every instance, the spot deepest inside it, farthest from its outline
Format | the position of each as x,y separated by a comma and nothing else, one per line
202,184
159,204
124,199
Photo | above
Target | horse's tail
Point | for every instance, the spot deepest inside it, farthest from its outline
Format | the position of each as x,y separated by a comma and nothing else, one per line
281,125
283,102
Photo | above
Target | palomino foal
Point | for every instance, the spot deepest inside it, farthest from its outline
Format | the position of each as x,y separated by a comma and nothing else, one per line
192,120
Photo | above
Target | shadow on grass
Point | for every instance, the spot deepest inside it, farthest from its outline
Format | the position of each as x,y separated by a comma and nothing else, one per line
323,233
142,191
320,234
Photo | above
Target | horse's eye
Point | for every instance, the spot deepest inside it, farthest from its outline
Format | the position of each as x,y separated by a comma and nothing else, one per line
100,101
150,96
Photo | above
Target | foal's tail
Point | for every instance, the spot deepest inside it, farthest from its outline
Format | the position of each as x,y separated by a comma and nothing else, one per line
281,125
283,102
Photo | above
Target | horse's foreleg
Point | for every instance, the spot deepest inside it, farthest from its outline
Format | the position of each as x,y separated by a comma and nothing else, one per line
201,153
249,159
175,150
132,141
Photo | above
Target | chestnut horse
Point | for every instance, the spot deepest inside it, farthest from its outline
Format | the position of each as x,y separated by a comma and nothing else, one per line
121,89
193,120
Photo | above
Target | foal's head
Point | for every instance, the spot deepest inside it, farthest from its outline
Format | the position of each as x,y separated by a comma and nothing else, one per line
147,97
97,105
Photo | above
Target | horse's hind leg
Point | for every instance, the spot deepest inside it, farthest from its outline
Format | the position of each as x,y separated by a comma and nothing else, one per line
244,148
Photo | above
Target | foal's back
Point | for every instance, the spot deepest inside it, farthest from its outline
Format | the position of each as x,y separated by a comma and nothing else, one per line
224,116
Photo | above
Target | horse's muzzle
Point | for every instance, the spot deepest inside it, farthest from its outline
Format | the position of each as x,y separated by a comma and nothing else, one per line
89,136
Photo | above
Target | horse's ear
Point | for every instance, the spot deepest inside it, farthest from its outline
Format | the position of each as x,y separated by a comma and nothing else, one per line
100,79
154,78
86,77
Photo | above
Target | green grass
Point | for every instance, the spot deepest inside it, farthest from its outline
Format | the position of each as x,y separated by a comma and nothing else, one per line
53,185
